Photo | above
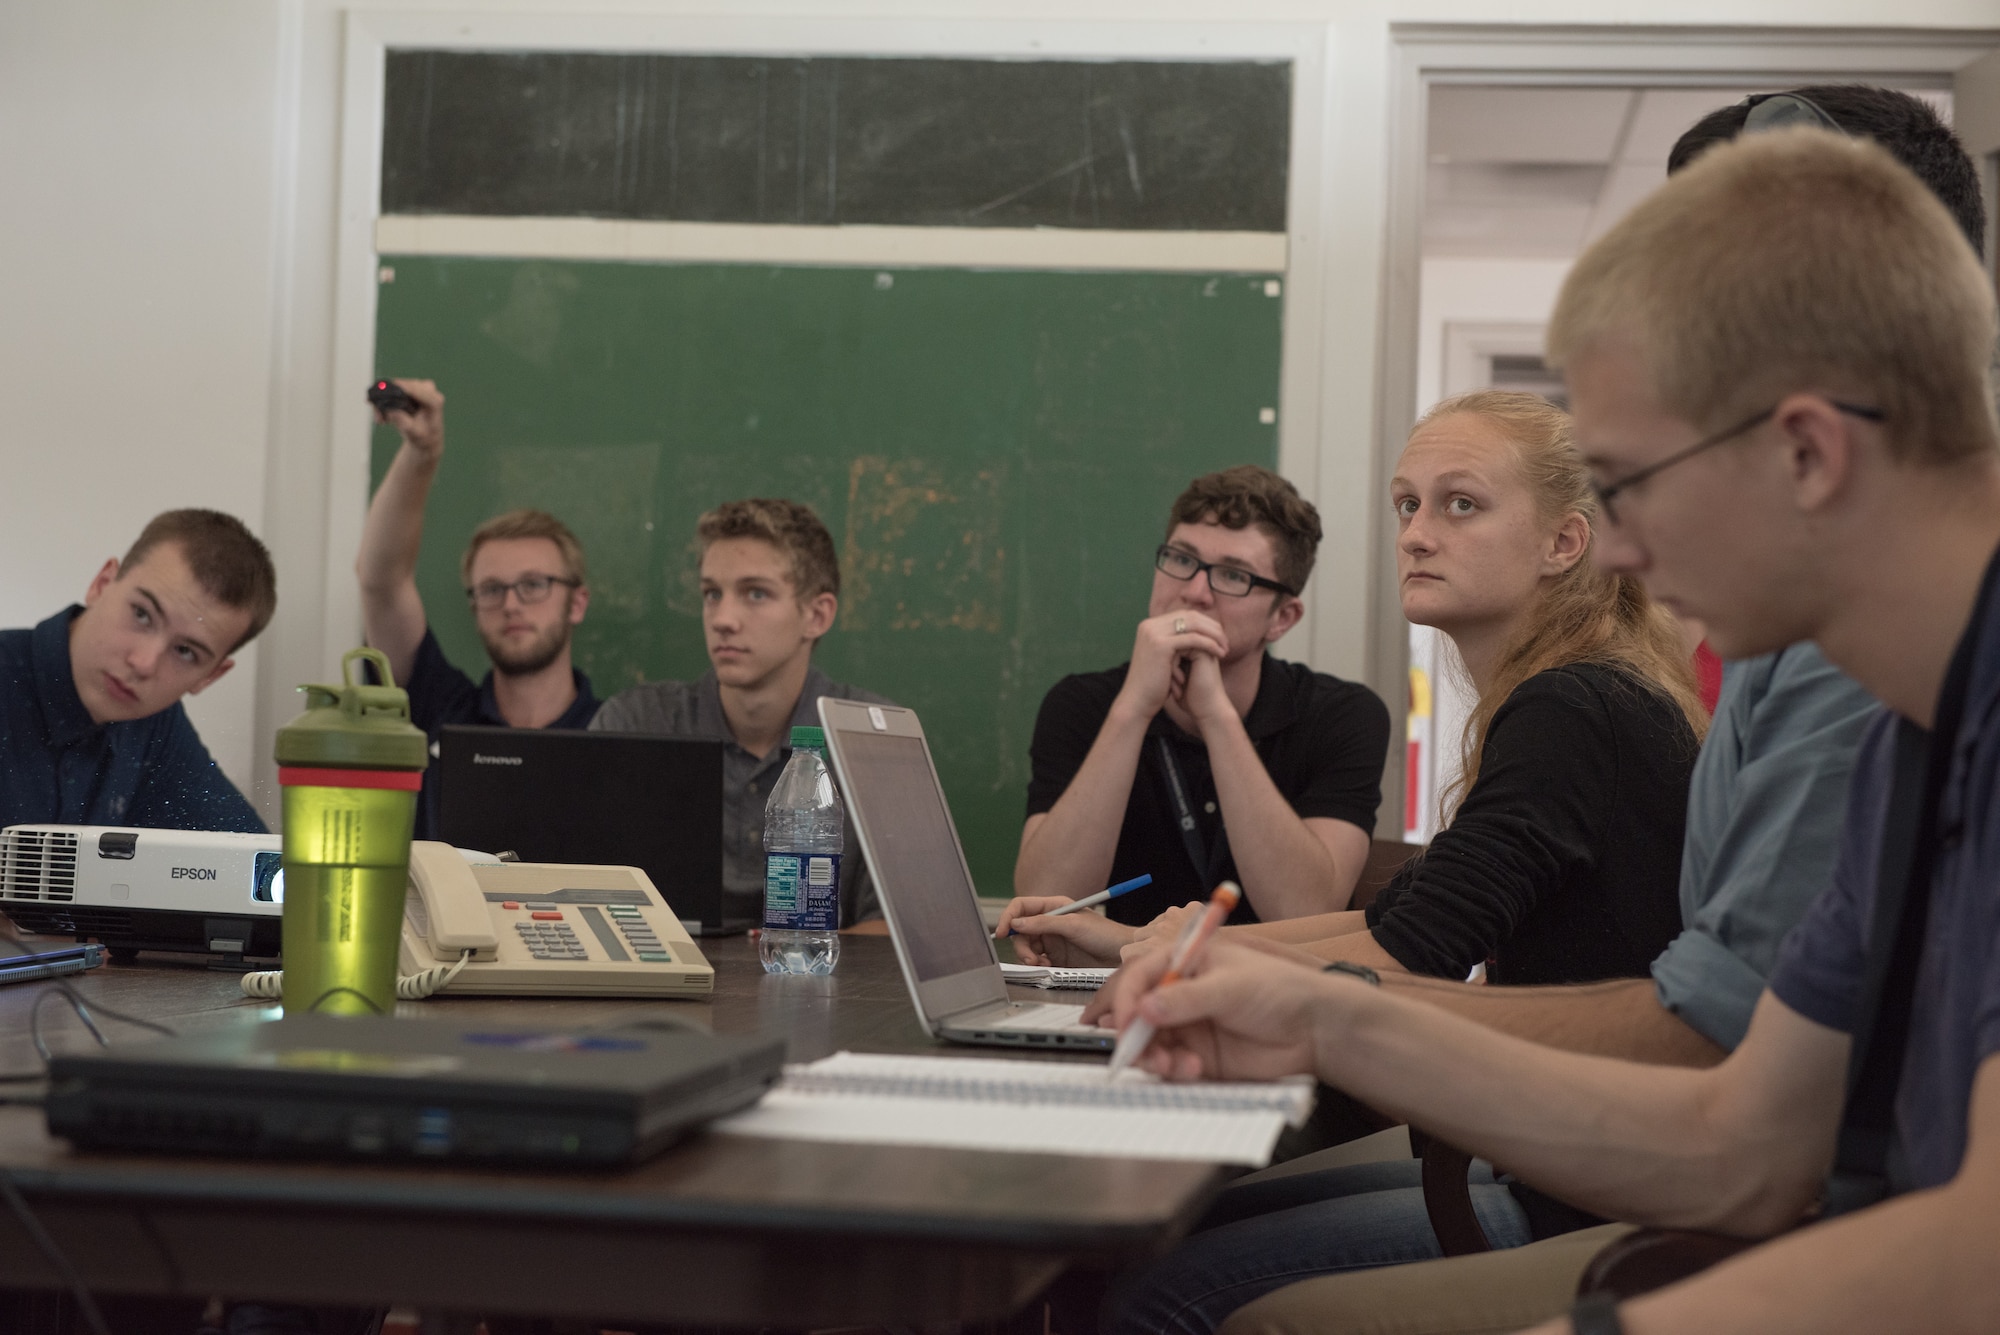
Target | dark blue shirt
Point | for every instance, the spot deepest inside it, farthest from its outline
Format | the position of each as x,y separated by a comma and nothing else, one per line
58,765
441,694
1955,1023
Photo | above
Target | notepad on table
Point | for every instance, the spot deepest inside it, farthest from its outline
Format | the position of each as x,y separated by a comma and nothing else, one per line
1030,1107
1034,975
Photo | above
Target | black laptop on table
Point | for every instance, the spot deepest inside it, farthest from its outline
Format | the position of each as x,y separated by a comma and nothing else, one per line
619,798
376,1087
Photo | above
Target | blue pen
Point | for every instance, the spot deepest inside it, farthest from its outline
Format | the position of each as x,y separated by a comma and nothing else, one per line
1092,901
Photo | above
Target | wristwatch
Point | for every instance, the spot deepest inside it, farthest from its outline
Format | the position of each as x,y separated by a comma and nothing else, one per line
1361,971
1596,1314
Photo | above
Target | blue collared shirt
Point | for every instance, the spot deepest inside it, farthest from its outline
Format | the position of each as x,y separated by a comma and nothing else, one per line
58,765
1765,812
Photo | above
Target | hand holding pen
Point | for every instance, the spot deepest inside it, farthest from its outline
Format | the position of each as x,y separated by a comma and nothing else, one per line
1102,896
1187,952
1078,940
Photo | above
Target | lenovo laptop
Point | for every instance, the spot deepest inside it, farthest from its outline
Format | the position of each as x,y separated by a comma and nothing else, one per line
630,799
898,805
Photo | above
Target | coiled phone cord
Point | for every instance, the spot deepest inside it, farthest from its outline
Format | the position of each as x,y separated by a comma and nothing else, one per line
269,984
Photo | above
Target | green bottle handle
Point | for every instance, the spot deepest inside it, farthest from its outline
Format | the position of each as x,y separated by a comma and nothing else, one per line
358,699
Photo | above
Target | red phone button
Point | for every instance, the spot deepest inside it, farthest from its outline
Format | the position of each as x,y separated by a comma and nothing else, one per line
511,904
547,917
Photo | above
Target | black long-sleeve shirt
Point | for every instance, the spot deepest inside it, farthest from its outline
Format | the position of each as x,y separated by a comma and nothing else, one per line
1562,864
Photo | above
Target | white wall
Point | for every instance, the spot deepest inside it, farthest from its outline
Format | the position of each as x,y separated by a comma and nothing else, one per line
167,297
135,293
1477,291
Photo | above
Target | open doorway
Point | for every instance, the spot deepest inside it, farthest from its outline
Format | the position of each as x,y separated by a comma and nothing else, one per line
1517,181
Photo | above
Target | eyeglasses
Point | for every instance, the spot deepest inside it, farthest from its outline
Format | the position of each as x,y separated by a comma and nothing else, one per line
1229,581
491,594
1607,495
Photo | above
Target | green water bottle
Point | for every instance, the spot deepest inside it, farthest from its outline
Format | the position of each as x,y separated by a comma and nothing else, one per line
350,767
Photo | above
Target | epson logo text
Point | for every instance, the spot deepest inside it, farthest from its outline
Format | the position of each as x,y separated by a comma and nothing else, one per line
192,874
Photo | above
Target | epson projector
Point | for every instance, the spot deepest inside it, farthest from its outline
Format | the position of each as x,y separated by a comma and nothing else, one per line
135,890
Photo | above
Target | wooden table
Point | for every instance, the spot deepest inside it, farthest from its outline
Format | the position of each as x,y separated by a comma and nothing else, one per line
720,1230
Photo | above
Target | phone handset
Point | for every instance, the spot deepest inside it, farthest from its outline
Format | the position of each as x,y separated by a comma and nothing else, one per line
448,908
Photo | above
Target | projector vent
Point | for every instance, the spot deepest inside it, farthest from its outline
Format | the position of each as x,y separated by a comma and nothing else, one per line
37,864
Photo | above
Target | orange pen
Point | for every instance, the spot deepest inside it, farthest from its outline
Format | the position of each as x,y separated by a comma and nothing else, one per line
1187,951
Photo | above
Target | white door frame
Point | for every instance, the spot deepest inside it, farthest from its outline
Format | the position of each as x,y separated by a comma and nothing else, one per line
1571,56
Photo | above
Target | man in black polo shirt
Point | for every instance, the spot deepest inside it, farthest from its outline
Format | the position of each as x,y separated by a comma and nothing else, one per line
524,576
1203,758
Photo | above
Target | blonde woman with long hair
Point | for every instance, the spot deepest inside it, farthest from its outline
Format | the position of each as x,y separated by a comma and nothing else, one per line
1560,859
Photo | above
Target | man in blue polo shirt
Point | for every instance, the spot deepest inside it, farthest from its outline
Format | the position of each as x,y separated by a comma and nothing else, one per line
91,725
524,576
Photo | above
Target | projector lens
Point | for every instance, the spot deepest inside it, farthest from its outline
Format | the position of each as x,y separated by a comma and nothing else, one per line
268,878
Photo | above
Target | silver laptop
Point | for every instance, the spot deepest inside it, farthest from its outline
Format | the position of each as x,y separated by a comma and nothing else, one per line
927,895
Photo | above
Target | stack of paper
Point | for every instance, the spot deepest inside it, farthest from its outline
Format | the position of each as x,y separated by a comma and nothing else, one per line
1036,1107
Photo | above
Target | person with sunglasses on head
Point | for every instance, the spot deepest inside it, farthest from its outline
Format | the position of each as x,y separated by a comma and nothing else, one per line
1856,1127
1204,758
1766,808
525,585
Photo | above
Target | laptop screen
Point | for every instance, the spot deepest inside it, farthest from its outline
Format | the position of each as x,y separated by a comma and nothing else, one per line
916,863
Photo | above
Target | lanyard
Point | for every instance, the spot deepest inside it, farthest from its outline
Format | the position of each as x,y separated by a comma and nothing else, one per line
1207,861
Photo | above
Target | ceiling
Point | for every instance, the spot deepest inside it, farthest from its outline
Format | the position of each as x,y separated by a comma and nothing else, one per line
1539,173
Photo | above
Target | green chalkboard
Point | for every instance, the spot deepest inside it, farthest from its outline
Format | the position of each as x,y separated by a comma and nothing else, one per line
994,453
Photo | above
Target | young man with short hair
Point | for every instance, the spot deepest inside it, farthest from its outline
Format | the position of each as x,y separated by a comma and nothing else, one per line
770,588
1778,368
1764,817
524,576
92,730
1204,759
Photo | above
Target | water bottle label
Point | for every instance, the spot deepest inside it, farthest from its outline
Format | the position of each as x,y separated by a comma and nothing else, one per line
802,891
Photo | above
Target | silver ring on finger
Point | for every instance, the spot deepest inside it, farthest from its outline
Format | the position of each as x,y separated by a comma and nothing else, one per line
1180,625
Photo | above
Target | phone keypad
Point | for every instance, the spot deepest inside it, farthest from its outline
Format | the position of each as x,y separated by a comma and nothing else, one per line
551,940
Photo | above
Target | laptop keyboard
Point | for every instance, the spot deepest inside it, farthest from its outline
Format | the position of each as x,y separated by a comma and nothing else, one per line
1044,1016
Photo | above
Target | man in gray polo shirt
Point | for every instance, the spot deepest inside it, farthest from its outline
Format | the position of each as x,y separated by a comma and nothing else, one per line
770,587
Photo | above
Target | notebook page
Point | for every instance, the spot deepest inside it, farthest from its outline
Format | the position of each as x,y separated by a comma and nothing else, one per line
1035,1107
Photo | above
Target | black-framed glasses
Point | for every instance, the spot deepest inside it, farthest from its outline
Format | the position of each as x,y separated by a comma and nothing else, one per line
1607,495
530,589
1229,581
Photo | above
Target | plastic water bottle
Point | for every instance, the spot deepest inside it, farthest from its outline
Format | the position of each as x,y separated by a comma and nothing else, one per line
802,847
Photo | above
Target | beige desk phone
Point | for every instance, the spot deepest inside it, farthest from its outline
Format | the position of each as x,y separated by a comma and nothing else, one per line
545,928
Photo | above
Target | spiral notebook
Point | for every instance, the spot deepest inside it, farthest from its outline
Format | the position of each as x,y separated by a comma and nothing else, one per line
1034,975
974,1103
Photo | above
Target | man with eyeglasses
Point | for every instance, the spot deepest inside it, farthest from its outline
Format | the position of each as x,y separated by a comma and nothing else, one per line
525,583
1204,758
1801,281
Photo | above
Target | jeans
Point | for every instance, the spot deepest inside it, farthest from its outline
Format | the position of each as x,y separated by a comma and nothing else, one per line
1264,1235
